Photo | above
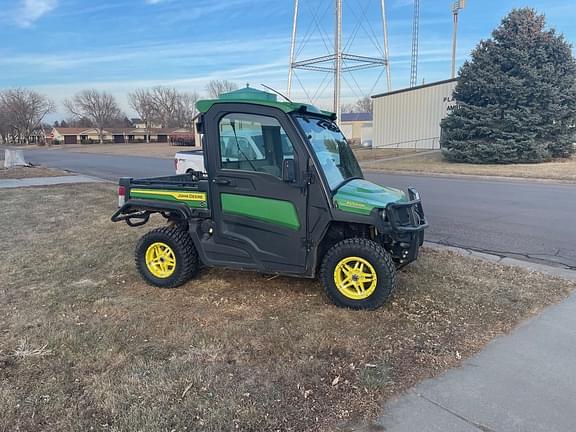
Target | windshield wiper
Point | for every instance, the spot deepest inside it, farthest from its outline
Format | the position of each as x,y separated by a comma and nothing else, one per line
233,124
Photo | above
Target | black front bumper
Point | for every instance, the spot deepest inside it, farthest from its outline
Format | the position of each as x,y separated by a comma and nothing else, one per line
407,223
407,216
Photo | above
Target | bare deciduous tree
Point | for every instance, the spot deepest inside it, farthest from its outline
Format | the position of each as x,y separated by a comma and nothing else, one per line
164,106
142,102
22,112
186,110
77,122
4,127
217,87
364,105
99,107
165,102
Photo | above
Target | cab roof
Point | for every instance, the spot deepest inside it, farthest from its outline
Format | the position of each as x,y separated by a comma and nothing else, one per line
250,95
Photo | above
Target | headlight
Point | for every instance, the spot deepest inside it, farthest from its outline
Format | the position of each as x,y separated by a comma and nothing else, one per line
413,194
383,214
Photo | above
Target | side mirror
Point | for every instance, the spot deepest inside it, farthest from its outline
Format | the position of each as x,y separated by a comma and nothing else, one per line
289,171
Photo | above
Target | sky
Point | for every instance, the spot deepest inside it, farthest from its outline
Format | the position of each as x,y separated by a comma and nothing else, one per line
59,47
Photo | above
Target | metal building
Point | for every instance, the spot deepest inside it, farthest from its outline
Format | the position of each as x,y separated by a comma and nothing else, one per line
410,118
355,126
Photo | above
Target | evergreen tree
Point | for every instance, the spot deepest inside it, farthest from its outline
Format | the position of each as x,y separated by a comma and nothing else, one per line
516,97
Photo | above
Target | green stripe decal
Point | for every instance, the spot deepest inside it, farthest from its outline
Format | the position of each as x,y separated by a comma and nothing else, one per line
269,210
190,198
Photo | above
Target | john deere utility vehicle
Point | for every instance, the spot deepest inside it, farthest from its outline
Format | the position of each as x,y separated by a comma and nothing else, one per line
281,193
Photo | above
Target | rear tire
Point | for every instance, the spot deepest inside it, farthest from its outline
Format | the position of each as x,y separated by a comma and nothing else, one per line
166,257
358,273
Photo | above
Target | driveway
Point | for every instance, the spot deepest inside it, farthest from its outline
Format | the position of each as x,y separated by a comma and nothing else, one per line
522,219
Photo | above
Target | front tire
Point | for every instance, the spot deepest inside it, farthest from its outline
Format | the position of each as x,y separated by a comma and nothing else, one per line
358,273
166,257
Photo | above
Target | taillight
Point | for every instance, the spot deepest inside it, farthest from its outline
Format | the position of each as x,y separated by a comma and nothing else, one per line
176,164
121,196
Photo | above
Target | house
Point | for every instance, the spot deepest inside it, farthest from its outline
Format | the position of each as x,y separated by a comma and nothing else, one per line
61,135
68,135
127,135
138,123
39,136
356,127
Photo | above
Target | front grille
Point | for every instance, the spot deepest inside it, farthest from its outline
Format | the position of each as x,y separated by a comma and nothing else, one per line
406,216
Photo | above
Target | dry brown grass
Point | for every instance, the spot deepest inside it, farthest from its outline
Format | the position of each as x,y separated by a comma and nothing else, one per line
435,163
364,154
30,172
162,150
85,345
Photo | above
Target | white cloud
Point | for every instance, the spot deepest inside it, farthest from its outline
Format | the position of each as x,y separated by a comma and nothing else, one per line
32,10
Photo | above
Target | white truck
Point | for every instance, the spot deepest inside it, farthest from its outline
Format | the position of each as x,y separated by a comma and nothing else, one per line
233,147
187,162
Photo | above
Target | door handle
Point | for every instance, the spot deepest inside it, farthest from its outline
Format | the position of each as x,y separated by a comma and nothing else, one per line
221,182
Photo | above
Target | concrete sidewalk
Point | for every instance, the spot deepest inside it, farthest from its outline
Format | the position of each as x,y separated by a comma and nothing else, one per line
521,382
47,181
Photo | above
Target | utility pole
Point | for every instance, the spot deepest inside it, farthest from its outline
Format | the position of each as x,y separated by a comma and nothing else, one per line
456,8
338,59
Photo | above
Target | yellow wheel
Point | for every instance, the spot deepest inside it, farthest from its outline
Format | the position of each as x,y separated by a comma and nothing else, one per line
166,257
358,273
355,278
160,260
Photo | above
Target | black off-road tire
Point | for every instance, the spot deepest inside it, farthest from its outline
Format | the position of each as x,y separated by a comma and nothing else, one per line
370,251
187,263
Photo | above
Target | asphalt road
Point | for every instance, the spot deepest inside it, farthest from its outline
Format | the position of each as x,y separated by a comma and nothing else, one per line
526,220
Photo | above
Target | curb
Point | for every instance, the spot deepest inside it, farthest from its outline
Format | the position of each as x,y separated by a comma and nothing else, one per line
562,273
400,157
469,176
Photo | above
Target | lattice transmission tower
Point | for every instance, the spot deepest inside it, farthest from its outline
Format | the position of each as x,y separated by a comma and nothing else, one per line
339,63
415,43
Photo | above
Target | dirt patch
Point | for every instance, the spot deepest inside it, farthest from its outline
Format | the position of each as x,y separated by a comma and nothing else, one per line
435,163
85,345
30,172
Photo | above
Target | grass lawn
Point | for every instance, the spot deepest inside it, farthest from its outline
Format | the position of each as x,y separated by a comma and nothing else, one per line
86,345
29,172
371,154
162,150
435,163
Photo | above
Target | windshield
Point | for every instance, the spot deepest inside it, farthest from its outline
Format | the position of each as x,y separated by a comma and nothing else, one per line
333,152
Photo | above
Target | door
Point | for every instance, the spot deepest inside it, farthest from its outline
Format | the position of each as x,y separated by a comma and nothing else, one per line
260,220
70,139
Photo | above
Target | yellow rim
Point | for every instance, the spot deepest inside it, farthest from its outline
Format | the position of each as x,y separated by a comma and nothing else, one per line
355,278
160,260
